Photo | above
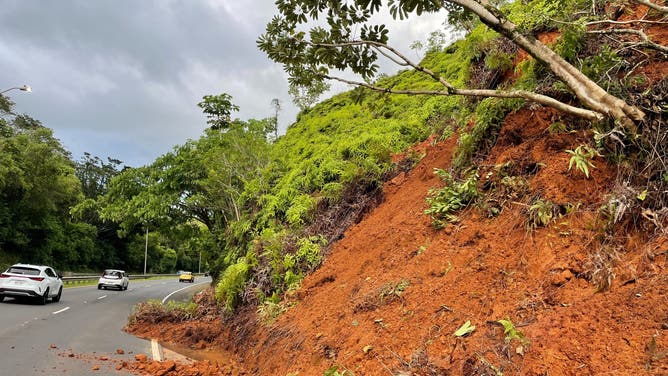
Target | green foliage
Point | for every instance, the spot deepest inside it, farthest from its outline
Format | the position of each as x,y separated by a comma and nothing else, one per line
334,371
601,66
300,209
456,195
571,40
557,127
459,17
511,332
38,186
464,330
541,213
309,252
218,109
231,284
489,117
581,158
269,311
539,15
305,97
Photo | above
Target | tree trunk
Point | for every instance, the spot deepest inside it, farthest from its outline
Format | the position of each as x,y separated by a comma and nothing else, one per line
587,91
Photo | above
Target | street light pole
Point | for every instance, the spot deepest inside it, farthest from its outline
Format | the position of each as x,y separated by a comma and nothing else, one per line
22,88
146,251
199,265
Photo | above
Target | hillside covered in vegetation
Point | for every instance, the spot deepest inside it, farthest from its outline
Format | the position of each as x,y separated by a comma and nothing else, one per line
450,234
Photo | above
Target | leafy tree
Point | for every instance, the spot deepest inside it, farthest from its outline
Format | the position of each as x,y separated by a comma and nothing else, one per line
218,109
38,186
344,38
95,174
191,194
110,249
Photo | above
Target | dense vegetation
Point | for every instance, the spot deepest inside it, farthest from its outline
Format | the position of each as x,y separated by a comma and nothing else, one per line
39,185
260,211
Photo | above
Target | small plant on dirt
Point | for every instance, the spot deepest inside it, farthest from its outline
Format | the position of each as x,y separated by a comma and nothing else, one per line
334,371
512,333
393,291
268,311
557,128
654,353
386,294
541,213
456,195
464,330
581,158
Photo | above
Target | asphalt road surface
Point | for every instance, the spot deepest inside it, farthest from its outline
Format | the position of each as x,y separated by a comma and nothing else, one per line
73,336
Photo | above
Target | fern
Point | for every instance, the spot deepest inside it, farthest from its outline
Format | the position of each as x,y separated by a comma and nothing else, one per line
446,201
231,284
581,158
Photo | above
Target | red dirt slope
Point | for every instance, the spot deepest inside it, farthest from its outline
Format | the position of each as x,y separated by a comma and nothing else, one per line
392,292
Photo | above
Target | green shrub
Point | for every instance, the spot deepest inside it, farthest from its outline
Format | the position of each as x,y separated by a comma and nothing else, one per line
489,116
456,195
231,284
601,67
581,158
541,213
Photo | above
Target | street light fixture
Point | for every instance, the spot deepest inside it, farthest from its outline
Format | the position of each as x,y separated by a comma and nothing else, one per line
22,88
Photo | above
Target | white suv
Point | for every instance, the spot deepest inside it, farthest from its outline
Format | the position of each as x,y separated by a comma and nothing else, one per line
36,281
117,279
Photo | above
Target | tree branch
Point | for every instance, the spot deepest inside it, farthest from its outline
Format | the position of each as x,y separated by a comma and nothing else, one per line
616,22
397,54
522,94
662,9
639,33
451,90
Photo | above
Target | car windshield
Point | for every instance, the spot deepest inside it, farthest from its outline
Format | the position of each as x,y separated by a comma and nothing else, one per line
23,270
112,274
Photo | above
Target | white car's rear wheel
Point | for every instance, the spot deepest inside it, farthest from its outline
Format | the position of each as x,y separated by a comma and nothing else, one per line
44,298
57,297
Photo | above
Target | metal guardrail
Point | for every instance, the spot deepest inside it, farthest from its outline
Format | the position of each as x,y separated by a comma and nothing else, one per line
86,278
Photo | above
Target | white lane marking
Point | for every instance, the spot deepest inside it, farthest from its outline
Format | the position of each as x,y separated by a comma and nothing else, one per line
156,349
102,297
174,292
61,311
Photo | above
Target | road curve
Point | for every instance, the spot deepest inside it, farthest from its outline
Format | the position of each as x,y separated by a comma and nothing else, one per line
75,335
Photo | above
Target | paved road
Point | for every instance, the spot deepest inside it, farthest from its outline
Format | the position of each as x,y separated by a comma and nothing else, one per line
38,339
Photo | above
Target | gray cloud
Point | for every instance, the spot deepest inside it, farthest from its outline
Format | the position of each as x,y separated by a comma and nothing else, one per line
123,78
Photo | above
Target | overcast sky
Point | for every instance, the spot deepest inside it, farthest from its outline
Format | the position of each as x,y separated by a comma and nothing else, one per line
122,78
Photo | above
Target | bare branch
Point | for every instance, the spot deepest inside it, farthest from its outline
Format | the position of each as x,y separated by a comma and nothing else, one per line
392,58
522,94
639,33
662,9
393,51
619,22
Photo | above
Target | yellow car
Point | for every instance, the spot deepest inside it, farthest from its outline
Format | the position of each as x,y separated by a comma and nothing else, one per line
186,277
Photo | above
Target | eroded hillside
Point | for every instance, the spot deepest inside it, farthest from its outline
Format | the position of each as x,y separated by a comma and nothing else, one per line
393,291
548,281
